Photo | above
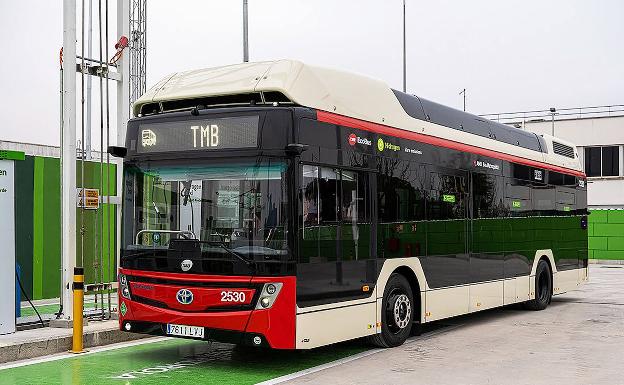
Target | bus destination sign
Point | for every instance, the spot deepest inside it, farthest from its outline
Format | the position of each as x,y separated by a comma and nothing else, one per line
205,134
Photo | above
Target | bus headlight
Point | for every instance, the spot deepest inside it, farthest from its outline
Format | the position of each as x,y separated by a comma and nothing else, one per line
123,285
269,295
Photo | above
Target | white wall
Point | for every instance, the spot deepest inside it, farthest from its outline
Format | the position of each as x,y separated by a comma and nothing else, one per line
602,192
584,132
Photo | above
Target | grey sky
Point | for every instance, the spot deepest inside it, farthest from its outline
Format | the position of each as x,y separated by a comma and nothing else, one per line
510,55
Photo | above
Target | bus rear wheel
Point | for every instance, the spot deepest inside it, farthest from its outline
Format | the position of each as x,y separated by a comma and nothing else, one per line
397,313
543,287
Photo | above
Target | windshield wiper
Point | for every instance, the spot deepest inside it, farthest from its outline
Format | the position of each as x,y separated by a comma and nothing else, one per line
249,262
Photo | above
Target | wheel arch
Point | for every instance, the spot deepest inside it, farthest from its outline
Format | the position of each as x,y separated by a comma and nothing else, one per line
409,274
412,270
546,255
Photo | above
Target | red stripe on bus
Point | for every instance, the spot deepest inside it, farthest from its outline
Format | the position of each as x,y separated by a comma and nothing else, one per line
328,117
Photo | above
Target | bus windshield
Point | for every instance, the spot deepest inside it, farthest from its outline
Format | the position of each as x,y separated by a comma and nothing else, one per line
237,207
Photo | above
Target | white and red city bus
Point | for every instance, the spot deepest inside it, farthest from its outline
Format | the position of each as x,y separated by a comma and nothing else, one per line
289,206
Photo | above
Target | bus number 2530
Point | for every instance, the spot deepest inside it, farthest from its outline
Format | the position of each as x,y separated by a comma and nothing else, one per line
232,296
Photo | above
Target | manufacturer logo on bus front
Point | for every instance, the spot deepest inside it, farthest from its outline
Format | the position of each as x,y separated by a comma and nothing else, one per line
184,296
186,265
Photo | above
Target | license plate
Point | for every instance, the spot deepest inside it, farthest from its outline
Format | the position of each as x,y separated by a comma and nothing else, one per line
185,331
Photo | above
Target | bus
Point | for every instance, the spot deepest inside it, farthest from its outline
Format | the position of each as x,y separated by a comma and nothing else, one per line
288,206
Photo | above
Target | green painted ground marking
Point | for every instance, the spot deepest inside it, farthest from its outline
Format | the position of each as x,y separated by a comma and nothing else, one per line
177,361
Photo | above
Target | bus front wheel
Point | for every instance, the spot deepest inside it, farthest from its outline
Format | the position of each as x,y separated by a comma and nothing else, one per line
543,287
397,313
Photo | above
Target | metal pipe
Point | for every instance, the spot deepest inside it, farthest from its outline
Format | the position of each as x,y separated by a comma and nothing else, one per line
99,274
87,142
82,135
245,33
87,59
123,104
404,51
108,186
464,93
68,158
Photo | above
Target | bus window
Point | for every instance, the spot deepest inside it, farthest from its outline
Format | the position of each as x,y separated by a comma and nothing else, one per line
447,259
310,195
488,197
335,215
400,205
544,200
518,193
355,228
335,237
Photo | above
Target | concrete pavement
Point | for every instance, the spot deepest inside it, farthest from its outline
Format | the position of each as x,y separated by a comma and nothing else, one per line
578,339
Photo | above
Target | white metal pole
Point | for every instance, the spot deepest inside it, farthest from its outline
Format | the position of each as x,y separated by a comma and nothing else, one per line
87,143
68,157
123,104
245,33
404,53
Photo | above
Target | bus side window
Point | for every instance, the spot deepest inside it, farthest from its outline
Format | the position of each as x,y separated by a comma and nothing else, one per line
400,205
336,222
488,197
519,194
543,197
446,199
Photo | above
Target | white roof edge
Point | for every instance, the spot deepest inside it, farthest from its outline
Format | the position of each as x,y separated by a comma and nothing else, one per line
326,89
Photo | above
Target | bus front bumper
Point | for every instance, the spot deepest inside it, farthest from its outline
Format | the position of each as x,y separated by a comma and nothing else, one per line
271,327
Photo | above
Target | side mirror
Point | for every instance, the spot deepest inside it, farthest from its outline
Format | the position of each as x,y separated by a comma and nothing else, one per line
296,148
118,151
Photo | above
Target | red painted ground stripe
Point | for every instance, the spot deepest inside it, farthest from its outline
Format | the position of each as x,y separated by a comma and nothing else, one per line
328,117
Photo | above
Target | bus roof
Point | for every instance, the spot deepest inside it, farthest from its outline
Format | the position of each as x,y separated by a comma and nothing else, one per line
351,95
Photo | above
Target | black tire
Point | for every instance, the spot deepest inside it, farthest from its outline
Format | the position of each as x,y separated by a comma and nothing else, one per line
543,287
397,314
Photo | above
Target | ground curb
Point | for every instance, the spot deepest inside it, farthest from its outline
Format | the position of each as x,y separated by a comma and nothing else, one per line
606,261
62,344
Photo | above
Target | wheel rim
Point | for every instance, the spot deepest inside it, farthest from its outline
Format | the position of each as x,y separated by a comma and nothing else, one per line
543,287
399,311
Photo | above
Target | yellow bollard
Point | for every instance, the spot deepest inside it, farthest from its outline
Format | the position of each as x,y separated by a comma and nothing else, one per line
78,288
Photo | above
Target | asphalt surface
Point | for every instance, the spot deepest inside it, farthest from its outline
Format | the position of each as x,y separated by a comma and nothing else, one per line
578,339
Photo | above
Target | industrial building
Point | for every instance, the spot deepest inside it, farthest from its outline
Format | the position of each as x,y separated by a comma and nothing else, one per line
598,133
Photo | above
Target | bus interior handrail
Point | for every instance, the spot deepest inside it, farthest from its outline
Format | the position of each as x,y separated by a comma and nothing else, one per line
188,234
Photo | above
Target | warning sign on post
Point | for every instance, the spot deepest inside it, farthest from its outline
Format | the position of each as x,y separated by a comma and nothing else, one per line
88,198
